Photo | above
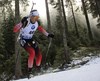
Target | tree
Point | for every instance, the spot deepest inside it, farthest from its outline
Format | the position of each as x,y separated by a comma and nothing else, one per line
98,12
77,33
48,16
8,42
94,8
48,21
5,6
64,18
87,21
98,6
63,25
1,53
8,35
98,9
63,29
18,71
6,9
67,58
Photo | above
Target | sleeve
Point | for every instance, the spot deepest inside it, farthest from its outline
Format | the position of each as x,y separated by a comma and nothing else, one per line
18,27
42,30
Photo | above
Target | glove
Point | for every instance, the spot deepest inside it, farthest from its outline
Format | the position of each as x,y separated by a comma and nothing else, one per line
51,35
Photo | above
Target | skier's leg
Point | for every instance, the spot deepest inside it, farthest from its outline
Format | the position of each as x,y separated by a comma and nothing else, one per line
37,53
31,51
38,57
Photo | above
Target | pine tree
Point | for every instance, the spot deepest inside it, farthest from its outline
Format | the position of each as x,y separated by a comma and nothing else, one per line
1,53
8,46
48,16
8,35
87,21
77,33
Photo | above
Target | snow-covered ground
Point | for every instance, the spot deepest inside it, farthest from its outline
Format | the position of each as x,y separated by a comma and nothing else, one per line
88,72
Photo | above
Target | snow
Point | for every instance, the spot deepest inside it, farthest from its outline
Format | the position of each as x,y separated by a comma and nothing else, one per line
88,72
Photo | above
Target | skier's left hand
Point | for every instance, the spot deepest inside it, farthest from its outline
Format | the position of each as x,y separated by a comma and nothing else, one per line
51,35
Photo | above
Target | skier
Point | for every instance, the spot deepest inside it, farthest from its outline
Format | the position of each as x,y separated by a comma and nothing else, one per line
30,25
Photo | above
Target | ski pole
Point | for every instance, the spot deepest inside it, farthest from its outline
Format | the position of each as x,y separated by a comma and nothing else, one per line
48,49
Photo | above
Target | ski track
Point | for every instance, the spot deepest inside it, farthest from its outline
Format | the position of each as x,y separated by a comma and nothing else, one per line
89,72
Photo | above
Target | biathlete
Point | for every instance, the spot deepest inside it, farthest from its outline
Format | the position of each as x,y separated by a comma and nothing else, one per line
29,26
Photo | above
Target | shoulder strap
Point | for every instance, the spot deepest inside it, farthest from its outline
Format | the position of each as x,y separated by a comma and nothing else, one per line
24,21
28,22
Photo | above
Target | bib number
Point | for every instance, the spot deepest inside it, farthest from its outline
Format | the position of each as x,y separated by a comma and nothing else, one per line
31,32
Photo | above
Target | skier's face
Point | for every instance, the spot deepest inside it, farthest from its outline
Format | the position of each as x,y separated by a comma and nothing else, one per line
34,18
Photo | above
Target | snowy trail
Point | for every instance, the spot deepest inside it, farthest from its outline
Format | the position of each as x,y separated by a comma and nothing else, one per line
88,72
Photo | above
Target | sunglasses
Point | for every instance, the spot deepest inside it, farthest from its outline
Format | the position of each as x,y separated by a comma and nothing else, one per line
36,17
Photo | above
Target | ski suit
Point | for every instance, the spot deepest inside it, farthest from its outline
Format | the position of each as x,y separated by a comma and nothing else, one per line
27,42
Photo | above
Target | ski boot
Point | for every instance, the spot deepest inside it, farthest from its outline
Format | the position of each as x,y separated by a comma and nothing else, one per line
38,70
30,73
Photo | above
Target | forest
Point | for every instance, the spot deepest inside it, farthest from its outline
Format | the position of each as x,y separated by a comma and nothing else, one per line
75,26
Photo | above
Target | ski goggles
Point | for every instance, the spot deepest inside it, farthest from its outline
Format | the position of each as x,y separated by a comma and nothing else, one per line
36,17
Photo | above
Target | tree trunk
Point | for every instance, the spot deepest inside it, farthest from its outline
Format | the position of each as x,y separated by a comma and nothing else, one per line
18,71
65,21
74,20
48,16
67,58
87,21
